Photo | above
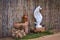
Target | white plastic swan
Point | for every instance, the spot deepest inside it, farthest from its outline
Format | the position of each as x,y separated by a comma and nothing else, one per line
38,17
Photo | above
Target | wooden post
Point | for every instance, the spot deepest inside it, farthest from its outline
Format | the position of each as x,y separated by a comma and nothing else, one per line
5,18
1,18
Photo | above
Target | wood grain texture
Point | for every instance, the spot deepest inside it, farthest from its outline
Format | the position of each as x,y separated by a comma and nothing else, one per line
13,10
0,18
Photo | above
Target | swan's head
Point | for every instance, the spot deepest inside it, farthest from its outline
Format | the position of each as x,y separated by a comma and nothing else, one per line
39,8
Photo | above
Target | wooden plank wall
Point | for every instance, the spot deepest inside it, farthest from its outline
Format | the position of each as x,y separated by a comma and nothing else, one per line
4,17
13,10
54,12
0,18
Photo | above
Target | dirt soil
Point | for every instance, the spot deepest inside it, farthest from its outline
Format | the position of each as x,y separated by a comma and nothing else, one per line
48,37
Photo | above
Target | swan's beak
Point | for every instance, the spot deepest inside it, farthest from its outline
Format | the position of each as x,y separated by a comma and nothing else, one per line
40,8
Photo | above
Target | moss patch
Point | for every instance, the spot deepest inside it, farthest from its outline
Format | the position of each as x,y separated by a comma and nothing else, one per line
34,35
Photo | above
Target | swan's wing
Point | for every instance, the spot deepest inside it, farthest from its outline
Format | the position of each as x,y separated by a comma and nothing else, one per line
37,14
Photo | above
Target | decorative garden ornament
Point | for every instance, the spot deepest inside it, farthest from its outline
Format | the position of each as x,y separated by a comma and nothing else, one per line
38,17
